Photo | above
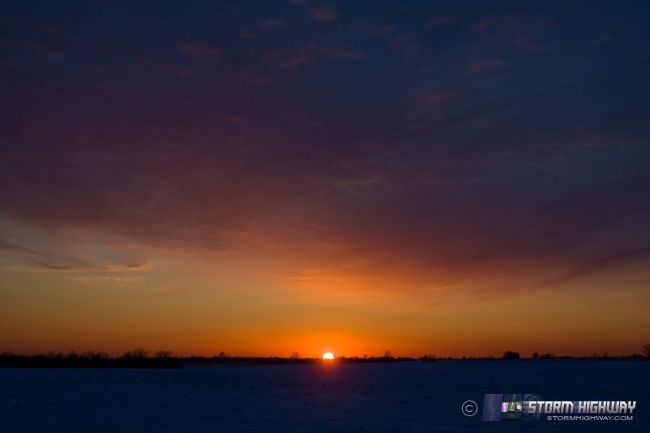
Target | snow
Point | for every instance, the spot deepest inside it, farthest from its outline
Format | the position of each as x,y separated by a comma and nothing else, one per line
387,397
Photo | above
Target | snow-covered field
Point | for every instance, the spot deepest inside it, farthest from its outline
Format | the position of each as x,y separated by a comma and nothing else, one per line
392,397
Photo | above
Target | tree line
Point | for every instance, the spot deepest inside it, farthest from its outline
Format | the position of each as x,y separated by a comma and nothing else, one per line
140,358
136,358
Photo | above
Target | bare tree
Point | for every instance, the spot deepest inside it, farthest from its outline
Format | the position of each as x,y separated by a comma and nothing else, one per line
91,354
295,355
387,353
646,350
138,353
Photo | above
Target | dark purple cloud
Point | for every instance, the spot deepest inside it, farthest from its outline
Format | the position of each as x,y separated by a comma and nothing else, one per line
437,133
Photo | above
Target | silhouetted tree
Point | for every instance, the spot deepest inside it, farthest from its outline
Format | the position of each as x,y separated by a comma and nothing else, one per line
387,353
92,355
511,355
295,355
163,354
137,353
646,350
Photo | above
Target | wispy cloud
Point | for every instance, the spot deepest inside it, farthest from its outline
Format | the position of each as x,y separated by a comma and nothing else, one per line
481,66
479,27
323,14
270,24
308,53
200,50
75,255
64,265
440,21
342,53
606,265
319,276
171,292
92,279
46,50
291,60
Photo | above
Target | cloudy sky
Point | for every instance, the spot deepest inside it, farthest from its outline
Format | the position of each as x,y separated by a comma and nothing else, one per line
457,178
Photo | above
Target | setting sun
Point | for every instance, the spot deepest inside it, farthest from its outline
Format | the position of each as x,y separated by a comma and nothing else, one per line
328,356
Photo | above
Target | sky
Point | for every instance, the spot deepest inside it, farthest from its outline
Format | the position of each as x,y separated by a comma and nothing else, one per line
262,178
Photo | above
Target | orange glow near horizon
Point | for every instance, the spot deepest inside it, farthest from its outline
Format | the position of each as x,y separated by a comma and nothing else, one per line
203,317
246,306
282,199
328,356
